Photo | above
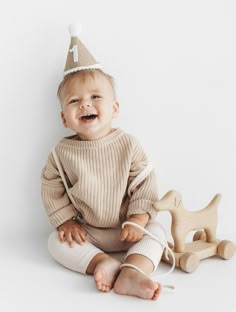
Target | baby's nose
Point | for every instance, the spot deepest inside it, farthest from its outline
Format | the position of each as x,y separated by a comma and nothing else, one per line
85,104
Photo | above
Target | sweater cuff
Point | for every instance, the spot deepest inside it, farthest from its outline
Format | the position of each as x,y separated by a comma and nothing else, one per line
142,206
62,215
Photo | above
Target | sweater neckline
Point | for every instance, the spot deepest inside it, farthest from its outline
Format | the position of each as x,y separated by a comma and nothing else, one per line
72,141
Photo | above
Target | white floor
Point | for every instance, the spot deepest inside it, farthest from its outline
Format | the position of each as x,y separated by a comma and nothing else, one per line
31,281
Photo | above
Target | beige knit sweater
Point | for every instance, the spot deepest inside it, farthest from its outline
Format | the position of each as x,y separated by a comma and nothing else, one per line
99,174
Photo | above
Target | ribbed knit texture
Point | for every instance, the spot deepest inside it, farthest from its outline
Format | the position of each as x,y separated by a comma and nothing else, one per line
76,258
105,240
98,173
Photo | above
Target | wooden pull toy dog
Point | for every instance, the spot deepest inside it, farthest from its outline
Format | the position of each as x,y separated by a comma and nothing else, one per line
205,244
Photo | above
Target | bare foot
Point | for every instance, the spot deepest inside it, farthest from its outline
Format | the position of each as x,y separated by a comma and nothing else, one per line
106,273
134,283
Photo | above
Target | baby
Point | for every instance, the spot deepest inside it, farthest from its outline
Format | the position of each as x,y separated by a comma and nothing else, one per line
109,181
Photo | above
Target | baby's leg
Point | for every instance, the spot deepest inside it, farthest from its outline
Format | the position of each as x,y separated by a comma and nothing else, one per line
85,259
145,255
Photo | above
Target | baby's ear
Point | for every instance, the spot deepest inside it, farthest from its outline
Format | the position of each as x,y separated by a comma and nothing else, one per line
63,119
116,106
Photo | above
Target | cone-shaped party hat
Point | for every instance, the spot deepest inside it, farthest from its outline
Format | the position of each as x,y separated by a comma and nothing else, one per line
79,57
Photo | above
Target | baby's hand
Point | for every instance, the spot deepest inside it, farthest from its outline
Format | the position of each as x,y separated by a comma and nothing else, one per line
130,234
71,230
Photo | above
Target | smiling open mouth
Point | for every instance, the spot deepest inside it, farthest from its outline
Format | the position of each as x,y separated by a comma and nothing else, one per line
89,117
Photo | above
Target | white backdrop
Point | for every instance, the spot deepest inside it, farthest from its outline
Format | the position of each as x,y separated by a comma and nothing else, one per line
174,64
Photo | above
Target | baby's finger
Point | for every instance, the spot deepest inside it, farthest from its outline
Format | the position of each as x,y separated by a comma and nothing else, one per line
137,237
83,236
123,235
78,238
61,234
130,237
69,239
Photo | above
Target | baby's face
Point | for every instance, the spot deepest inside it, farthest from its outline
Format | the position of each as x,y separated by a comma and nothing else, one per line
88,106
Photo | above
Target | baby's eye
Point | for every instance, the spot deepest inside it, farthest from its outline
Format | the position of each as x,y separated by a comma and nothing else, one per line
96,96
73,101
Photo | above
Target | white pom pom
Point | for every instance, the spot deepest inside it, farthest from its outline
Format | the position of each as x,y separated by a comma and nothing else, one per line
75,29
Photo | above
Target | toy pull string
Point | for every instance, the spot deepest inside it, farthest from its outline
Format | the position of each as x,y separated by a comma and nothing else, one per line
168,288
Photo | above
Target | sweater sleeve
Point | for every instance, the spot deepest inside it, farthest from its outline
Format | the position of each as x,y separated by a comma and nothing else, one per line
145,193
56,202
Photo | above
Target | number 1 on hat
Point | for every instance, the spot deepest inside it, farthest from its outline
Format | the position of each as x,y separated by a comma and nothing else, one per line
74,50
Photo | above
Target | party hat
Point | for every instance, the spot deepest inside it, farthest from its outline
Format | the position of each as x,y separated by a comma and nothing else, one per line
79,57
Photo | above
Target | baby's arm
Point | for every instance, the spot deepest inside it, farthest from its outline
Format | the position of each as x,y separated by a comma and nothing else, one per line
142,186
131,233
58,207
142,196
54,196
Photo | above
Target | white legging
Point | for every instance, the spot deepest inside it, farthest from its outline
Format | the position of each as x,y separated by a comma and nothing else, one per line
100,240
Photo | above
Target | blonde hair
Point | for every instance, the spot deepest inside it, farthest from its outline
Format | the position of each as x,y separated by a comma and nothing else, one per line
84,74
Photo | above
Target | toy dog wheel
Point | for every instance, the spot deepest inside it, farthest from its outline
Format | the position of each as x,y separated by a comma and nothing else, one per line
226,249
199,235
189,262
